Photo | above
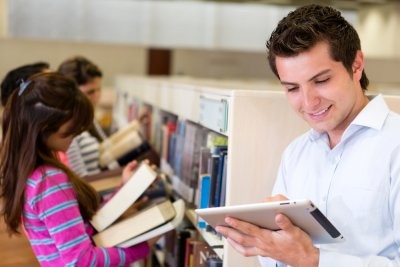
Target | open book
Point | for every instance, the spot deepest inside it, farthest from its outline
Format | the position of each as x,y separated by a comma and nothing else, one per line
123,146
155,220
143,177
179,206
138,223
143,225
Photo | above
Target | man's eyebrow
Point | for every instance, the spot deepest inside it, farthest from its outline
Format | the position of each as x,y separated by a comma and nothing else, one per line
288,83
312,78
319,74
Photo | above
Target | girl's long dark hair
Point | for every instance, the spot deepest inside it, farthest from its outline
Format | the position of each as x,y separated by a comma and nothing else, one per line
30,117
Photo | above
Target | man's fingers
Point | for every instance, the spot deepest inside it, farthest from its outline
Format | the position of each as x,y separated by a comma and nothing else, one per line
278,197
234,234
245,251
283,222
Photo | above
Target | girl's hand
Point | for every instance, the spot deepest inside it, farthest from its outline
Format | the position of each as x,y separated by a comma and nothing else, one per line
131,167
129,170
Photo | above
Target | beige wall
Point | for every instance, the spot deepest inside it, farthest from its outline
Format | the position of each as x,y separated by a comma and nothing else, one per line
381,71
3,18
379,28
112,58
221,64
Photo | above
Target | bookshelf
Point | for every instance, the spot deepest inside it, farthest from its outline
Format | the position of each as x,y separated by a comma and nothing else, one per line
255,118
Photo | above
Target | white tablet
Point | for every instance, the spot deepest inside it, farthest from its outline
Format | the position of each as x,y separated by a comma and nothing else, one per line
302,213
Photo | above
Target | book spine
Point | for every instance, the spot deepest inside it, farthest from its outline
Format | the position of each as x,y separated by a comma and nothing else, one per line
218,183
134,153
213,261
223,183
213,170
204,196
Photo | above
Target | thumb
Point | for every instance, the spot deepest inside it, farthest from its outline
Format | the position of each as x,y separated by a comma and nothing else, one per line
283,222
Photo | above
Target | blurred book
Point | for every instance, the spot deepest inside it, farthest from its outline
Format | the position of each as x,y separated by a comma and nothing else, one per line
201,252
137,224
142,178
179,206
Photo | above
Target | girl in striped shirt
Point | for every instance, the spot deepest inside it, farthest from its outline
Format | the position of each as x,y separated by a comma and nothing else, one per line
84,152
51,203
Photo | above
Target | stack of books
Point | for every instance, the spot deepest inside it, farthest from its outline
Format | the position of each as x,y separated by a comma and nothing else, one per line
154,220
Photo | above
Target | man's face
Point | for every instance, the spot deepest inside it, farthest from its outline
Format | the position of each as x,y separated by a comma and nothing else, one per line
321,90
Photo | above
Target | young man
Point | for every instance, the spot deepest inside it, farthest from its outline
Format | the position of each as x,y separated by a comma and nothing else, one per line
348,163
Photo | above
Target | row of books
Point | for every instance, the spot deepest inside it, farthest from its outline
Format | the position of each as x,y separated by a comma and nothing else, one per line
212,180
180,143
196,158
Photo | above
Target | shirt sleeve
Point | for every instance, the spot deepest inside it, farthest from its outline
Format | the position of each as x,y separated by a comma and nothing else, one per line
57,207
268,262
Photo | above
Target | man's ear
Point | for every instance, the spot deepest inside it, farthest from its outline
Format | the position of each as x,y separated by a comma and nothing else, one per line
358,65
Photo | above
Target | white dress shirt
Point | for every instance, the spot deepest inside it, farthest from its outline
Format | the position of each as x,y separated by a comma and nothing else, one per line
356,185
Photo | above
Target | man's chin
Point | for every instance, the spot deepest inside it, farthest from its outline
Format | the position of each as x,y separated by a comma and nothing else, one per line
318,127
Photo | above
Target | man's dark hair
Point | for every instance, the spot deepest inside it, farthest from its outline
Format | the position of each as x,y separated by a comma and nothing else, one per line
306,26
14,77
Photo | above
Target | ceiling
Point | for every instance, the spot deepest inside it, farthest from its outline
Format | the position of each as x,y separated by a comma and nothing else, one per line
350,4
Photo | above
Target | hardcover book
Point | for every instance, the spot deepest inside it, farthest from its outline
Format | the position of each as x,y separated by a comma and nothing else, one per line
135,225
179,206
143,177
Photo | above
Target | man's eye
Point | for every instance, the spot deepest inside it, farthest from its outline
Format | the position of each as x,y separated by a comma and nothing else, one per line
322,81
292,89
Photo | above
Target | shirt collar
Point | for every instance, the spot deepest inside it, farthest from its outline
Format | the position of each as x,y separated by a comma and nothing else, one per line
373,115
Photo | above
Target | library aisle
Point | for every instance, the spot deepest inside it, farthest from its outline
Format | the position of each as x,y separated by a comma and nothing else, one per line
15,251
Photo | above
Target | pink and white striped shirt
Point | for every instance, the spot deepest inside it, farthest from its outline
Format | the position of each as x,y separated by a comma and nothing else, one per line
56,230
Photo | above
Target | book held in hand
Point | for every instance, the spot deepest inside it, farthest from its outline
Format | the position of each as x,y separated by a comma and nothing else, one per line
143,177
179,206
137,224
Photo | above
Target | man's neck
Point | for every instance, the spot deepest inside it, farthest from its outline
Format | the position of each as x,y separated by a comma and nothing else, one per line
336,135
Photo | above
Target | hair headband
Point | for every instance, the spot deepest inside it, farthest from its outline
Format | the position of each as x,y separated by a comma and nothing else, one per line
22,86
